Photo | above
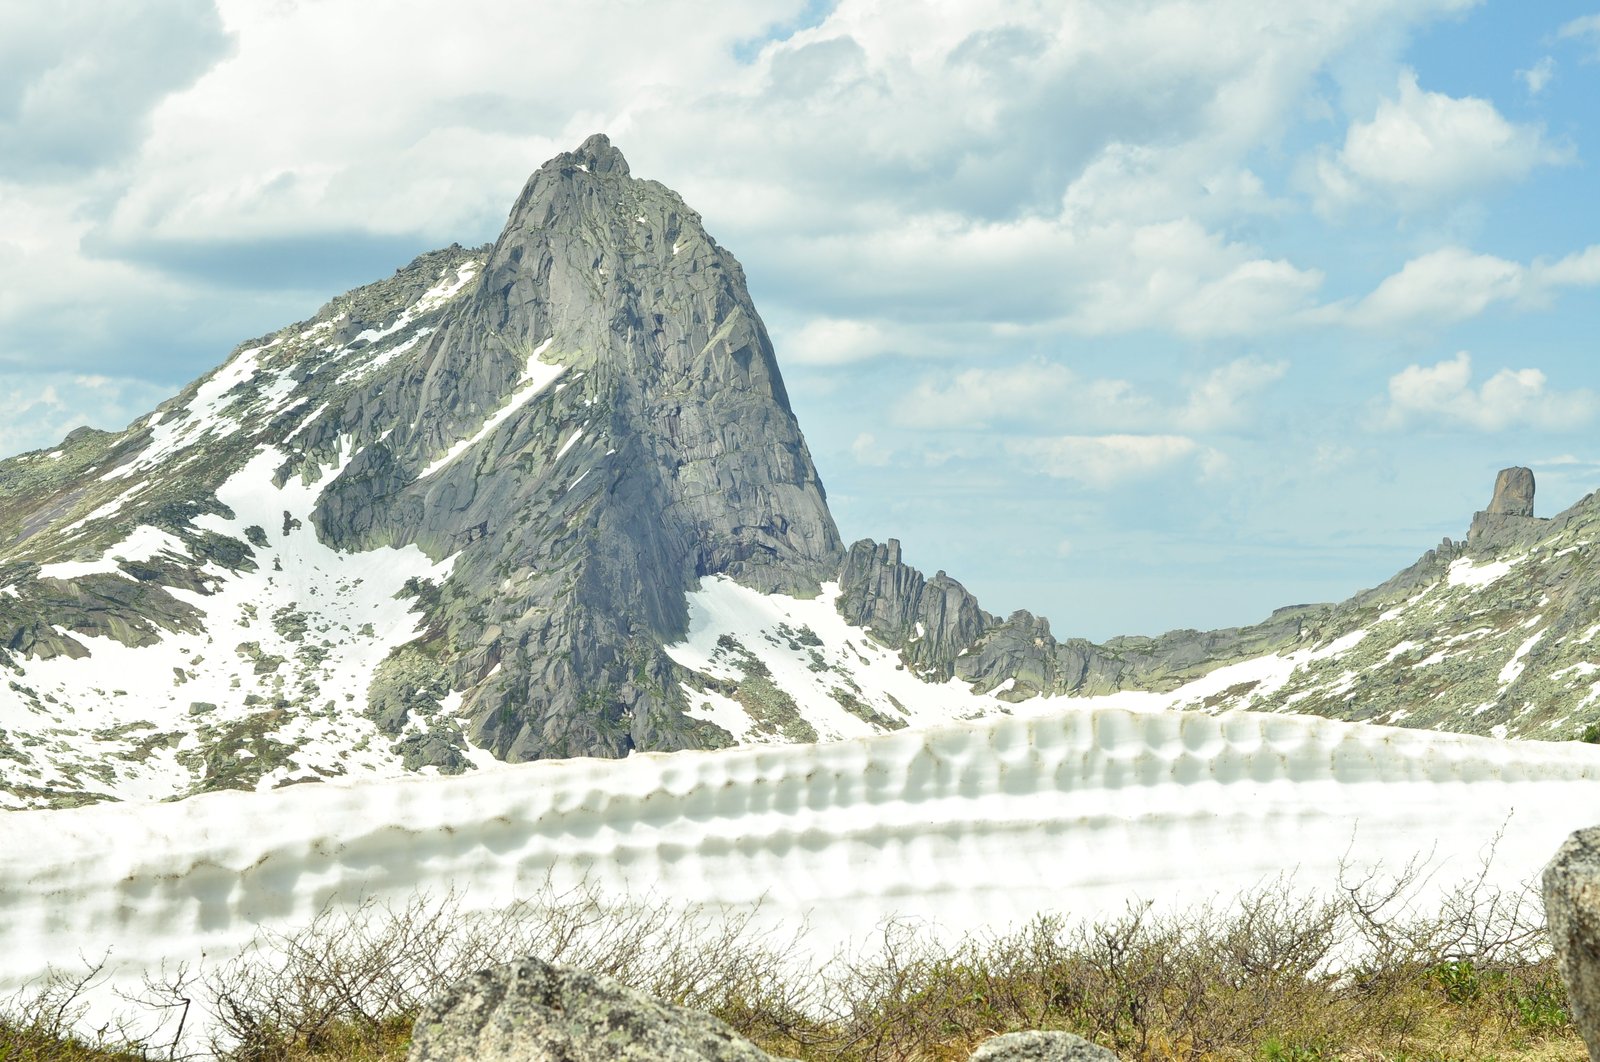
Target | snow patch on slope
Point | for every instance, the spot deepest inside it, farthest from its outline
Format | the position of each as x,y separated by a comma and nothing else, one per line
304,632
536,376
145,543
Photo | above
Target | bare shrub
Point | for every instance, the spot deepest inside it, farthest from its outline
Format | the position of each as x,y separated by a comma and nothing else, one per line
358,977
47,1022
1383,966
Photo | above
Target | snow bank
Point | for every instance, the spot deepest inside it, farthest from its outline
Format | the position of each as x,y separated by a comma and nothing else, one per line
969,826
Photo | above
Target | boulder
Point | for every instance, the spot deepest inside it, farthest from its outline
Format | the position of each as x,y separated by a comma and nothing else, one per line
1040,1047
530,1011
1572,915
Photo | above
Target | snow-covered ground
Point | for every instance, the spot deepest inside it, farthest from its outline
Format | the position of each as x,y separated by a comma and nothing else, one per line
310,623
970,826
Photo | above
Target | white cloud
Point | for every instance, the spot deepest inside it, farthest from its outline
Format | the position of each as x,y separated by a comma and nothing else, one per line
1015,395
1441,287
866,451
1443,395
78,79
835,341
1043,392
1222,399
1426,149
1104,461
1453,284
1537,76
1586,29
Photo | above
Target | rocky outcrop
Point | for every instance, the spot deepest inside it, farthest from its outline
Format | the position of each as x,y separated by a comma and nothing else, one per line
1572,915
1040,1047
1509,520
1513,492
941,632
530,1011
932,621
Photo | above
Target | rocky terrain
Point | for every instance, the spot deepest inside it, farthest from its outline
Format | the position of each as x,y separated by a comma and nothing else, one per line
1491,635
547,498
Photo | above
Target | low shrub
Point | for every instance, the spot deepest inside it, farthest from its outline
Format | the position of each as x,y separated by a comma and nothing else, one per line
1280,975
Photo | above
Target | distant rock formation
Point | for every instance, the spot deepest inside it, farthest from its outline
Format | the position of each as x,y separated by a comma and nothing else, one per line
1509,520
1513,492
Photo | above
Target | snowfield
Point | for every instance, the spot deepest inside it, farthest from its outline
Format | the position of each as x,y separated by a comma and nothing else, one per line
968,826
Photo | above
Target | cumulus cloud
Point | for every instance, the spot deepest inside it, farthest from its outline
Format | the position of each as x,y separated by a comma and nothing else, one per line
1058,170
836,341
1009,153
1223,399
1015,395
1104,461
1443,395
867,451
1453,284
1421,149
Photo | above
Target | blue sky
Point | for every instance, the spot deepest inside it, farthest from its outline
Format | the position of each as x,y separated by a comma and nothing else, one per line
1134,314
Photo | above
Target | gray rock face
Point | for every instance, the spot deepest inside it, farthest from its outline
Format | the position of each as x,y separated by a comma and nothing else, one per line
931,620
1040,1047
533,1012
1572,914
669,452
1513,492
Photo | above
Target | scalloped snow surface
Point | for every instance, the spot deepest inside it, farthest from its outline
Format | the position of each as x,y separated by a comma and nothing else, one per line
971,826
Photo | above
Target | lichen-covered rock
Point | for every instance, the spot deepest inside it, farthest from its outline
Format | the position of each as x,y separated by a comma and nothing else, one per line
530,1011
1572,914
1040,1047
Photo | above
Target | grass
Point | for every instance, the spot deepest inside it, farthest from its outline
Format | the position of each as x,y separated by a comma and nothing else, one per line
1279,976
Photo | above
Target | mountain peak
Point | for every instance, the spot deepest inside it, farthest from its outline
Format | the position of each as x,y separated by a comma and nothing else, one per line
596,155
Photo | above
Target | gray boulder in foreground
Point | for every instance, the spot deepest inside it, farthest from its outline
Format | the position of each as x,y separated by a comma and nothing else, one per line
1572,915
530,1011
1040,1047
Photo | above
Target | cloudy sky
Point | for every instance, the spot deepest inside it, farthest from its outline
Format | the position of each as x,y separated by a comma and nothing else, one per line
1137,314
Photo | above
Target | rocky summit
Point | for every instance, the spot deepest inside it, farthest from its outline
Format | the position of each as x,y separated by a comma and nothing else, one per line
547,498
